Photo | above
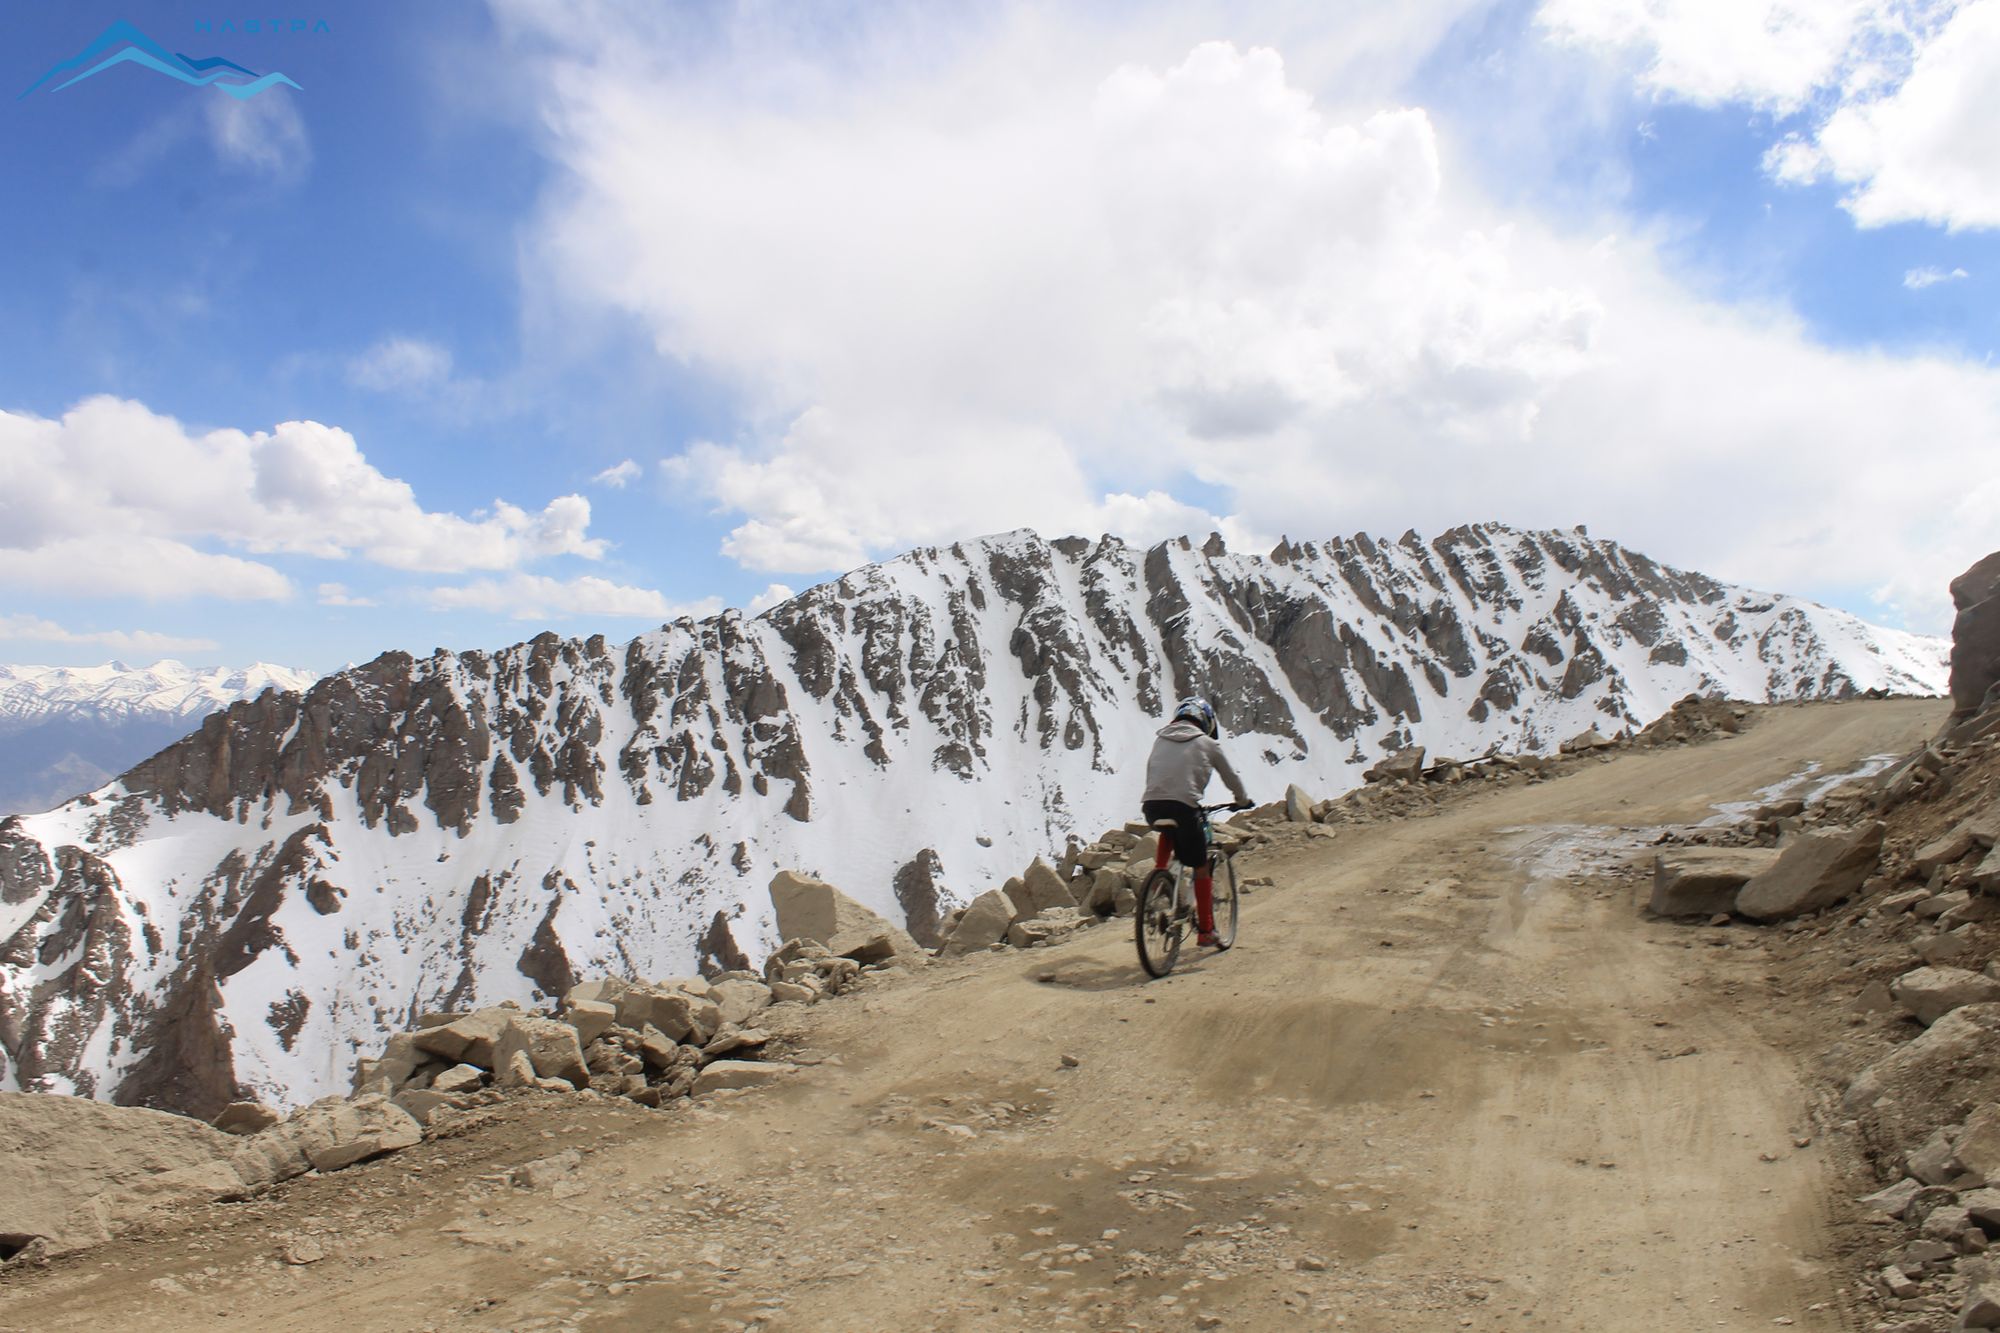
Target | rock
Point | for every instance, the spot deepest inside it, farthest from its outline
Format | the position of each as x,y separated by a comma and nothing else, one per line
459,1078
1946,1222
1941,949
551,1046
544,1172
1929,993
76,1172
681,1016
1894,1199
604,990
1978,1144
740,999
302,1250
739,1074
1703,881
1816,870
423,1104
591,1018
1897,903
1981,1308
1956,1059
1298,805
984,924
1935,907
1406,765
246,1118
471,1039
811,909
1949,849
735,1039
1049,926
1975,637
1584,741
1932,1163
1983,1207
330,1134
1041,889
516,1071
793,993
1897,1284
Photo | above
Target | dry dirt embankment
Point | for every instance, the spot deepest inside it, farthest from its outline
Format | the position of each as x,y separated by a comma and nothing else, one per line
1449,1078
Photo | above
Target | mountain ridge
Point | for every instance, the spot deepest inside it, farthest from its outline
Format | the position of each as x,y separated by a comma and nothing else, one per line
308,870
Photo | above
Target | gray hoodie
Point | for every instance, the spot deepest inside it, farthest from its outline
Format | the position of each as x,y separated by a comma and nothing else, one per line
1182,759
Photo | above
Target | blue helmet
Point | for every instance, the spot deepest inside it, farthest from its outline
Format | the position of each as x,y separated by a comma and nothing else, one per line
1196,710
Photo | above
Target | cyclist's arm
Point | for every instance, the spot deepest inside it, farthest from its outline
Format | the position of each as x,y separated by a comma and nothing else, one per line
1228,774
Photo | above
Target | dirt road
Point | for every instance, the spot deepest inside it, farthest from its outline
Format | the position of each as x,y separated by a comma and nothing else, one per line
1450,1078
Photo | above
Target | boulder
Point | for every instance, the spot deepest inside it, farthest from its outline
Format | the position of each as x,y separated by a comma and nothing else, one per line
604,990
1406,765
1954,1061
790,992
1100,891
739,1074
1894,1199
740,999
1978,1146
552,1048
1046,928
1933,1163
1703,881
1975,635
1815,870
1929,993
1983,1207
471,1039
1982,1306
77,1171
1947,849
1298,805
984,924
1041,889
681,1016
811,909
422,1104
591,1018
330,1134
459,1078
246,1118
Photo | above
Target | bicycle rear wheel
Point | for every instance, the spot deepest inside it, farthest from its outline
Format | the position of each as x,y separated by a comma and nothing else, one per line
1222,875
1155,925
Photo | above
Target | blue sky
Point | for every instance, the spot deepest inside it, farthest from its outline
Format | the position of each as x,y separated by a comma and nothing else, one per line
326,371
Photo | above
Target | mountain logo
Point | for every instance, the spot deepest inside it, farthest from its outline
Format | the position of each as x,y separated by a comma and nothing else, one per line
121,43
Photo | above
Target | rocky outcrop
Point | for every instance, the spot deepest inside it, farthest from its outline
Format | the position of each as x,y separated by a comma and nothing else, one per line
1975,636
318,868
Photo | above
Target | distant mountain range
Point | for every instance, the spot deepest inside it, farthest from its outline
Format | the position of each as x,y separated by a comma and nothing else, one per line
69,730
246,910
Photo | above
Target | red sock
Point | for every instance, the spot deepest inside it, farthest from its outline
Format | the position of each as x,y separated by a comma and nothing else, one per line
1204,903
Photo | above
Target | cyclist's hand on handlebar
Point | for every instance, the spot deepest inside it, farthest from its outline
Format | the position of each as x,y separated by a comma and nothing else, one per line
1243,805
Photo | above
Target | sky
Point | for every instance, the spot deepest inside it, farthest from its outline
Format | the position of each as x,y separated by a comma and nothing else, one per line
491,319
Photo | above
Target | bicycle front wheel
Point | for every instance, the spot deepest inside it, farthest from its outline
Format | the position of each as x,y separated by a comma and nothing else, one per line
1222,875
1156,926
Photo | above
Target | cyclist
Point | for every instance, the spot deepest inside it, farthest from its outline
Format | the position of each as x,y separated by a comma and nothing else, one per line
1184,753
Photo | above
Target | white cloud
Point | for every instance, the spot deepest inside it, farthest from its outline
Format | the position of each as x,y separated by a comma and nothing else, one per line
336,594
1901,95
538,597
114,498
618,476
264,135
1771,54
1917,279
770,597
954,297
399,363
137,642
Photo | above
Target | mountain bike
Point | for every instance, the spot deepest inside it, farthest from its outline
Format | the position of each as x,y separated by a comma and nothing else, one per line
1166,900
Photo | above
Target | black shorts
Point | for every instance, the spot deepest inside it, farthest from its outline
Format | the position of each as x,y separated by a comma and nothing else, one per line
1191,838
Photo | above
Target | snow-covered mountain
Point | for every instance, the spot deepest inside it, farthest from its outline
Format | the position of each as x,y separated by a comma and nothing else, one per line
65,730
243,910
